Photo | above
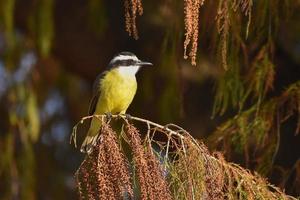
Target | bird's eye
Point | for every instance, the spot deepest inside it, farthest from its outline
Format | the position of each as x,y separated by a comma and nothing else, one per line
125,62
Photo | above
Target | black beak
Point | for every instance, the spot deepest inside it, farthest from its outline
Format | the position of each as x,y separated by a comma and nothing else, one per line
142,63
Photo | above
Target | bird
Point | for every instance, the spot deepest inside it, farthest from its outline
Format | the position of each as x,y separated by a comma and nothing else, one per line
113,92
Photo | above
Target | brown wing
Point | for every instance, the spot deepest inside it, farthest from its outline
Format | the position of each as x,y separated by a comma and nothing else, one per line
91,140
93,103
96,93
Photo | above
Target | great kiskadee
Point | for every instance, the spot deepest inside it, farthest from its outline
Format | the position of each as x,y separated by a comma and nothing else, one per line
113,92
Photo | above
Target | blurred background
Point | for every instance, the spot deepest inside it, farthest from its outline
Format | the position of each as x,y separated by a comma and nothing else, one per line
52,50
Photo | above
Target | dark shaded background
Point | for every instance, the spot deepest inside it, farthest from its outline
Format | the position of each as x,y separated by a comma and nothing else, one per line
86,35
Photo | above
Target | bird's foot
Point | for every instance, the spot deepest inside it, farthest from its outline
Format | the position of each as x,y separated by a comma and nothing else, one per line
108,116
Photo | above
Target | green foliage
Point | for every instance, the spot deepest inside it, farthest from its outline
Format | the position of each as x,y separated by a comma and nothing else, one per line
168,105
27,171
27,116
256,131
187,172
262,78
17,161
244,81
41,25
7,20
6,166
7,24
32,115
17,167
97,16
247,79
230,90
44,26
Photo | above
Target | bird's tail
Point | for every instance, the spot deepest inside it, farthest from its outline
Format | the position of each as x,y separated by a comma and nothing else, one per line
92,137
88,144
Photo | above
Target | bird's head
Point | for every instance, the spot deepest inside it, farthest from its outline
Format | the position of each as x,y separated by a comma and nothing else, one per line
127,63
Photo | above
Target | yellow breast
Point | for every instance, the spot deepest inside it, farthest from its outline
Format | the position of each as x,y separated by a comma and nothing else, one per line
117,92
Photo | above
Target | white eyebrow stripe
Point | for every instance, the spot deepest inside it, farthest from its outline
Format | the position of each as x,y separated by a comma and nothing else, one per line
122,57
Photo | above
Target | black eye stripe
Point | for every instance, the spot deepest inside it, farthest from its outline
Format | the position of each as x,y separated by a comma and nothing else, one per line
125,63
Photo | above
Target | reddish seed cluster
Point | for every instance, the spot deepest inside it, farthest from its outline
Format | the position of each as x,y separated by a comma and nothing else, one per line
132,8
148,169
191,20
104,173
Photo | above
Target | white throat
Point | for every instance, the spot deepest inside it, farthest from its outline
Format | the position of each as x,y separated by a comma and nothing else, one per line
128,70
